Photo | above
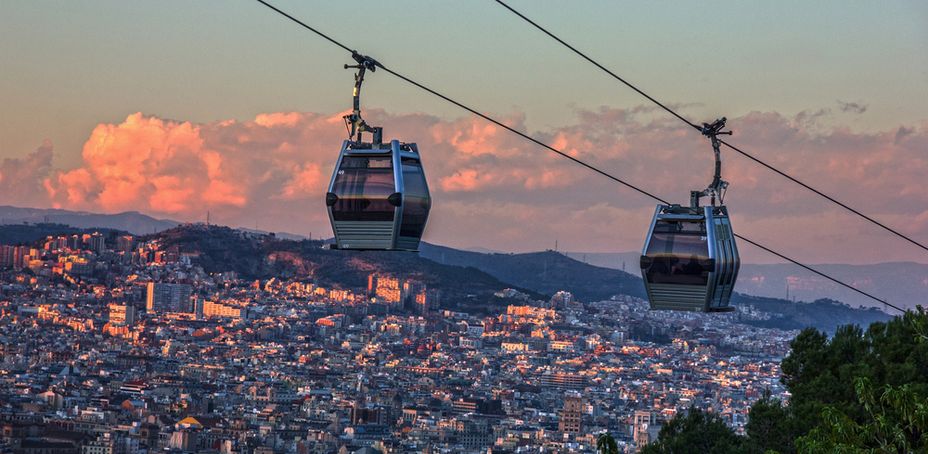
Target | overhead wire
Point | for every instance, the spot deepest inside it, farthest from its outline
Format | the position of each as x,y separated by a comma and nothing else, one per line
565,155
693,125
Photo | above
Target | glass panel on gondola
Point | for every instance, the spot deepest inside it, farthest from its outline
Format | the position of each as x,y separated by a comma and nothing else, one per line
723,235
416,203
362,185
679,253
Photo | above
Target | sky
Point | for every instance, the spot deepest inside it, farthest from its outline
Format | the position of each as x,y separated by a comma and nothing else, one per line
178,108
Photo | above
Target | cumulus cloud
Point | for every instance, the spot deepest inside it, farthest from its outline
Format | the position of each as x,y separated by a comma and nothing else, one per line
21,179
496,190
149,164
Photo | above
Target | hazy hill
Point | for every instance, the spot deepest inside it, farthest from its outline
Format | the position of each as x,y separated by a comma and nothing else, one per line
902,283
550,271
466,278
130,221
824,314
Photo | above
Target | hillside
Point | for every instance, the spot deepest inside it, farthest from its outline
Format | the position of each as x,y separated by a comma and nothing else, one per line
467,280
545,272
824,314
902,283
263,256
551,271
130,221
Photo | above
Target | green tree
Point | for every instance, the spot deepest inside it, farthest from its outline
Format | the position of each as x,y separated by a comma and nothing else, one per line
856,392
819,372
859,391
770,427
605,444
897,422
695,432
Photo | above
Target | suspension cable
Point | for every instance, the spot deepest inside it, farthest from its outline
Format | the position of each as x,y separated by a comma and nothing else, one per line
693,125
565,155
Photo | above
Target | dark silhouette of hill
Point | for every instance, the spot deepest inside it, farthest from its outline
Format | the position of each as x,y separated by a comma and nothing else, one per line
545,272
823,314
467,280
902,283
550,271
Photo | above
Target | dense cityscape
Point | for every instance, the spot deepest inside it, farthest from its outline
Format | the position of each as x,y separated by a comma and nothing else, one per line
505,227
113,344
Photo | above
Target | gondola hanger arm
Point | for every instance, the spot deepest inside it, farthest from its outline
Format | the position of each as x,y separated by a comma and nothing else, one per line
717,187
355,123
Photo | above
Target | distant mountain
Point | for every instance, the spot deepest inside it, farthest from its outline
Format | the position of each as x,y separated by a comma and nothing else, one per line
902,283
461,273
614,260
824,314
130,221
551,271
545,272
467,279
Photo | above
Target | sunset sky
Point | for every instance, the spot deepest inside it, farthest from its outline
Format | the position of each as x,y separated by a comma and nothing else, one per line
175,108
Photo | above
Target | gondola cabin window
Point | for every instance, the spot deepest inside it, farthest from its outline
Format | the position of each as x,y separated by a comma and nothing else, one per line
362,185
679,254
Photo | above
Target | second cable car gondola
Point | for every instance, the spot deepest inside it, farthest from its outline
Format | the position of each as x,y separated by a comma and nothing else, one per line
378,197
690,261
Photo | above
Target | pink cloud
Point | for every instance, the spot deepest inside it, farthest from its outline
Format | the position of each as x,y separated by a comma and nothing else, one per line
496,190
148,164
278,119
306,182
462,180
21,179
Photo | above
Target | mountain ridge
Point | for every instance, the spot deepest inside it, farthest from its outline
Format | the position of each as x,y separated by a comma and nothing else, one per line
468,281
903,283
543,272
132,222
128,221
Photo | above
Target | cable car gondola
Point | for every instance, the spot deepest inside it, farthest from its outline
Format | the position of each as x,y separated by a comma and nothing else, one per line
690,260
378,197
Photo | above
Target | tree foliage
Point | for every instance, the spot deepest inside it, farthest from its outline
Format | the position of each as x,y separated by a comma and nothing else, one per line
897,421
770,427
695,432
860,391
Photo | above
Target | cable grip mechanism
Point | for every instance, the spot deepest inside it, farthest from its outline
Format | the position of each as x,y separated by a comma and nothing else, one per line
353,121
718,186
